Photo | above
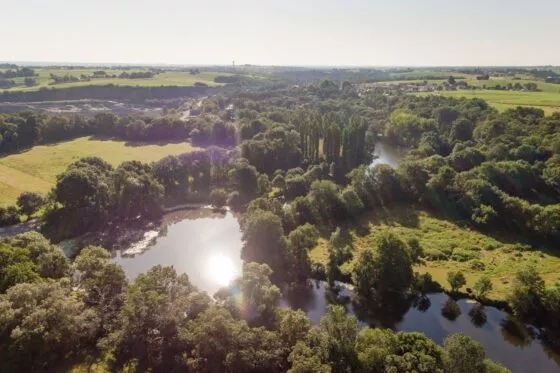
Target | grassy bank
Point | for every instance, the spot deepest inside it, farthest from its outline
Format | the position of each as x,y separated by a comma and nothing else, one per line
459,248
36,169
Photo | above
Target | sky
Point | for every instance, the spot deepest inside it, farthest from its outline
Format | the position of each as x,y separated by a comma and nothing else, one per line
288,32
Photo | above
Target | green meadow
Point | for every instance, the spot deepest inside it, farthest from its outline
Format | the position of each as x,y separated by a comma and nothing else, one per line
36,169
450,247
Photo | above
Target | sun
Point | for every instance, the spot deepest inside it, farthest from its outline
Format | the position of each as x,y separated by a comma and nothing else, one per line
221,269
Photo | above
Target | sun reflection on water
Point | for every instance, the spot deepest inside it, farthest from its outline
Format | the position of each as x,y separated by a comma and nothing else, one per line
221,269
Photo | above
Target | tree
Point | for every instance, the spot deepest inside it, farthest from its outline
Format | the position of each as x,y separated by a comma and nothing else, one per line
218,198
372,347
16,268
300,241
27,257
456,280
292,325
527,294
156,307
386,271
264,240
257,289
43,324
463,355
221,343
483,286
102,283
30,202
342,330
29,82
244,178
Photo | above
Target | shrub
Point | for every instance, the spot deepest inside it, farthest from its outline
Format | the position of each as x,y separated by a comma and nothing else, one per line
218,198
235,201
461,255
456,280
9,216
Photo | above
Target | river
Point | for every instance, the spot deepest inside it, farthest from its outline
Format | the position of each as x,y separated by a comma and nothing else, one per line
206,245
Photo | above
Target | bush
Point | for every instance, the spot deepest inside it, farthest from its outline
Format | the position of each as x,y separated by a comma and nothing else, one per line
456,280
235,201
435,254
9,216
461,255
477,265
30,202
218,198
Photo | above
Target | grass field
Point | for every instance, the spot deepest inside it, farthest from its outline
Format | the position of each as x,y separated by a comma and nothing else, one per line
36,169
500,258
548,101
169,78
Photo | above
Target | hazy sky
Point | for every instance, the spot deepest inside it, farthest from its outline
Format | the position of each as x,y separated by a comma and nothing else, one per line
270,32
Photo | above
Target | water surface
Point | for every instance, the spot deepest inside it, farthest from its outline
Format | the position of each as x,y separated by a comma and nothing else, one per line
386,153
204,244
505,339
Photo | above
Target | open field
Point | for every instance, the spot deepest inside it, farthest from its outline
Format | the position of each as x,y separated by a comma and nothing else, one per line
169,78
548,101
36,169
500,259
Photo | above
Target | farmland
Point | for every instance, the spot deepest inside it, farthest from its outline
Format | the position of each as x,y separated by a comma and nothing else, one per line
167,78
36,169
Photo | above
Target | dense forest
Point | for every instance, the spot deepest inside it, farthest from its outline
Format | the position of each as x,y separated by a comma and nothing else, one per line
295,163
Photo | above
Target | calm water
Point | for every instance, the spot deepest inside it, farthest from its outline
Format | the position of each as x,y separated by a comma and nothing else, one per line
387,154
504,339
201,243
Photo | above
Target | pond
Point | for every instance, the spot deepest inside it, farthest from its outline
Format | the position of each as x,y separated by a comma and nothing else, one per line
204,244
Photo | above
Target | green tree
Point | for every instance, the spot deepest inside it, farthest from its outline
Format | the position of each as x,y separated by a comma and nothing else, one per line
257,289
156,307
483,286
42,325
16,267
372,347
386,271
300,241
463,355
527,293
264,240
30,202
102,283
342,330
456,280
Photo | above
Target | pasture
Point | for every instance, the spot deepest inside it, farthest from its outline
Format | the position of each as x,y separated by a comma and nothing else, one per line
548,101
168,78
450,247
36,169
